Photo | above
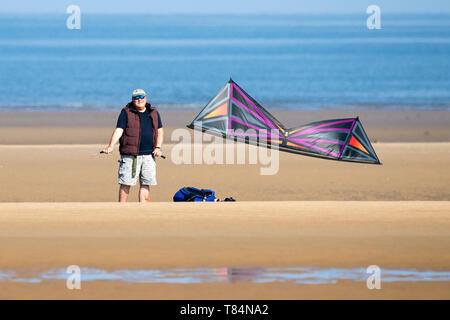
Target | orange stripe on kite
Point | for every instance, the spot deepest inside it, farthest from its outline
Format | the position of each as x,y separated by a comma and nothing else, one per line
294,145
275,141
220,111
355,143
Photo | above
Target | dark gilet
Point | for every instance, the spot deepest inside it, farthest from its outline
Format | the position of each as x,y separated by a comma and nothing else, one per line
131,137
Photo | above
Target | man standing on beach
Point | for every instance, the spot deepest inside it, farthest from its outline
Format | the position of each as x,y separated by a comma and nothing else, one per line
140,133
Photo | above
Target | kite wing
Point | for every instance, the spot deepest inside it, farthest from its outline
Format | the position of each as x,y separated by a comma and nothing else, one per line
233,113
339,139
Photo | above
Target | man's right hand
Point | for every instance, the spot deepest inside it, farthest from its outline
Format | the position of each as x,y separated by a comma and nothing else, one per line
108,149
114,139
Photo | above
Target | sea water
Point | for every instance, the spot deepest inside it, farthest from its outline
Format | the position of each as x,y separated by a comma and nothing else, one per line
284,61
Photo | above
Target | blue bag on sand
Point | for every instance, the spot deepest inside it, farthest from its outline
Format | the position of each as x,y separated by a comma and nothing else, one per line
194,194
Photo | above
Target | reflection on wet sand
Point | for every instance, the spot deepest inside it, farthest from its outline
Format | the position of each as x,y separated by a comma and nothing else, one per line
299,275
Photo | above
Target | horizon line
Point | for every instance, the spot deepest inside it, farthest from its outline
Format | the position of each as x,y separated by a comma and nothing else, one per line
229,13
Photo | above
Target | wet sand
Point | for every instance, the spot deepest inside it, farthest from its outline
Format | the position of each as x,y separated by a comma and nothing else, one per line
226,291
352,234
96,127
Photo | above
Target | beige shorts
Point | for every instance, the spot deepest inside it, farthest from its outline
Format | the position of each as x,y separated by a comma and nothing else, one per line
145,170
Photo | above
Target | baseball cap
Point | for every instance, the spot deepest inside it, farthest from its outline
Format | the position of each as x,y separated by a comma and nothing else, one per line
138,92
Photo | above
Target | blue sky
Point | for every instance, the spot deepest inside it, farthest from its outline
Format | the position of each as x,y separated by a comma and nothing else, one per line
226,6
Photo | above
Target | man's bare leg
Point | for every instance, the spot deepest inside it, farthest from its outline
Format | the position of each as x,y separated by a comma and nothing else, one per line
144,192
124,190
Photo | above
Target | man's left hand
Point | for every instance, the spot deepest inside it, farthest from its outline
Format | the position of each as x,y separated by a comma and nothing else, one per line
157,152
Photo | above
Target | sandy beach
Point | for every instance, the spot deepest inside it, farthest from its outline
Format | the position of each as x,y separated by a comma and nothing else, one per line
75,173
235,230
57,208
392,235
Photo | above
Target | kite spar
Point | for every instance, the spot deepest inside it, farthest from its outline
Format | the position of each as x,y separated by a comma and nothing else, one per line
233,113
